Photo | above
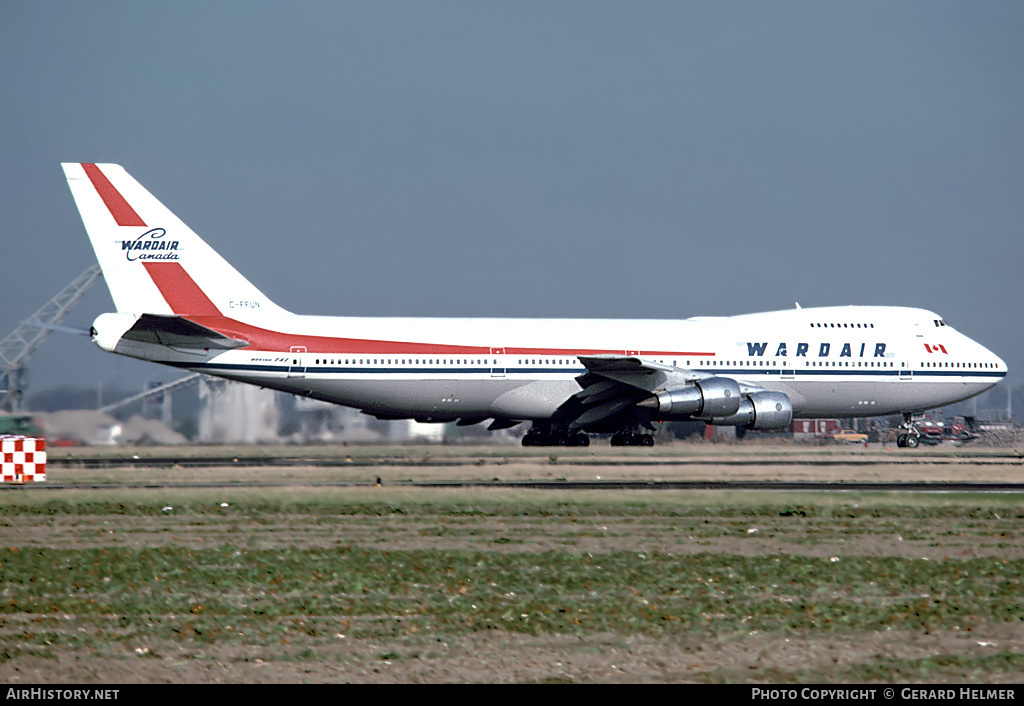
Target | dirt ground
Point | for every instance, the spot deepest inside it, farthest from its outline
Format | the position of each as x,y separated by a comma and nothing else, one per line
594,532
512,658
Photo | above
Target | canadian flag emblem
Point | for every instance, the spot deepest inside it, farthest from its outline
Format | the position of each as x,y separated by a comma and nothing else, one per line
935,348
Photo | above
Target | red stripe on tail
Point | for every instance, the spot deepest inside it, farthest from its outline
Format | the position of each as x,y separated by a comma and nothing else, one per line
122,212
179,290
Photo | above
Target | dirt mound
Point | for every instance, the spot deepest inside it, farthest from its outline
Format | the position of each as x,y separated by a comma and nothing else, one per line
96,428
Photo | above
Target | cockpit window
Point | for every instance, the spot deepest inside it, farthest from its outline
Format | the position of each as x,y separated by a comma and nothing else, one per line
938,322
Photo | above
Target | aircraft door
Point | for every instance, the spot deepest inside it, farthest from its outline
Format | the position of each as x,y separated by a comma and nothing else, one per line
497,364
297,362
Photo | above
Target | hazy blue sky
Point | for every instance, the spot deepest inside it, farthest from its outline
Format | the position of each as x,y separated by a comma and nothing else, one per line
577,159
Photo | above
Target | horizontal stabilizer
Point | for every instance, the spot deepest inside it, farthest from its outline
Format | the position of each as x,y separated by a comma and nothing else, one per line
178,332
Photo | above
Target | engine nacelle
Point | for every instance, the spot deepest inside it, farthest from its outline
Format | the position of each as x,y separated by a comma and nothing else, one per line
721,397
760,410
705,399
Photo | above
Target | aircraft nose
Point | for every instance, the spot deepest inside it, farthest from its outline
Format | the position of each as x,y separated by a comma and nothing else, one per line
998,363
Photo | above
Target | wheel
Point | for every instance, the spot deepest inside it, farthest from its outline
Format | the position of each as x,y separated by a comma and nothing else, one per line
533,439
912,441
629,440
580,439
901,440
647,440
617,440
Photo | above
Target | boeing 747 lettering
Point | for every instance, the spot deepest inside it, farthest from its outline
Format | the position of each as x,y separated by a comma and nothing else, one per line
181,304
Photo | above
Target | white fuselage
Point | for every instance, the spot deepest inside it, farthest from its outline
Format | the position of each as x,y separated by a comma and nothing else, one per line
831,362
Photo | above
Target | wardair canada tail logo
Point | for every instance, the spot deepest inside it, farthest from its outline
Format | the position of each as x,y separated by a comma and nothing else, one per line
149,247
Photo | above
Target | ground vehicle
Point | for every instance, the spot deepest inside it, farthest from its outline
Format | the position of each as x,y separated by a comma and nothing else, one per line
846,436
930,432
19,424
961,428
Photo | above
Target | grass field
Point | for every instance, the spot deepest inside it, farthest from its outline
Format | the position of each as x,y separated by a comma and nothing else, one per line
397,584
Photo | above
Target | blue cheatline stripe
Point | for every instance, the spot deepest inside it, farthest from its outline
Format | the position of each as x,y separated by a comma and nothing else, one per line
877,372
958,373
739,372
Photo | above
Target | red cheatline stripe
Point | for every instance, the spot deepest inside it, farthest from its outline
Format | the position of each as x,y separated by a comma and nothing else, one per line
123,213
261,339
179,290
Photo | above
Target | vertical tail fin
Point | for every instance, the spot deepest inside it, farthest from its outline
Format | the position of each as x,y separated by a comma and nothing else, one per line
153,263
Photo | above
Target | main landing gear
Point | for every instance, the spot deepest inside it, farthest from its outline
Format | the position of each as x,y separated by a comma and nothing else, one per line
546,435
629,438
909,437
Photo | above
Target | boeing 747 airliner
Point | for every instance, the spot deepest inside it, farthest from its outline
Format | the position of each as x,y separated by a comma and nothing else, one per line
181,304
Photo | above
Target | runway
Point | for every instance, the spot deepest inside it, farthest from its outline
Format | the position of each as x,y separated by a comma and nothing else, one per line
422,458
682,466
781,486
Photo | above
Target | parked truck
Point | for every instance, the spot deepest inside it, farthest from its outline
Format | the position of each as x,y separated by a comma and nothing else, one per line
933,431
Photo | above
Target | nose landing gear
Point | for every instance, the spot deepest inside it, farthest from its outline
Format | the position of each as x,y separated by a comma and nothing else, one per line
909,437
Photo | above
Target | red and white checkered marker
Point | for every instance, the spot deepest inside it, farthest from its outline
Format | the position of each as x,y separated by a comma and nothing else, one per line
22,459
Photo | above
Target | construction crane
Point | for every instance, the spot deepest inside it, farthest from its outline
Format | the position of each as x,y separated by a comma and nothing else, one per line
155,392
20,344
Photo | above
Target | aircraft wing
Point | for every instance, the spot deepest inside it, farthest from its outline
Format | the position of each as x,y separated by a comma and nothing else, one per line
614,383
178,332
622,364
647,375
636,372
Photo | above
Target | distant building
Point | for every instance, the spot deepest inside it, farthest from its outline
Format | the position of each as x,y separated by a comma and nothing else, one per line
236,413
808,428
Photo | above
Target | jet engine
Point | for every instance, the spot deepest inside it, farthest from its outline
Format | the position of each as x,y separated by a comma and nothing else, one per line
705,399
760,410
